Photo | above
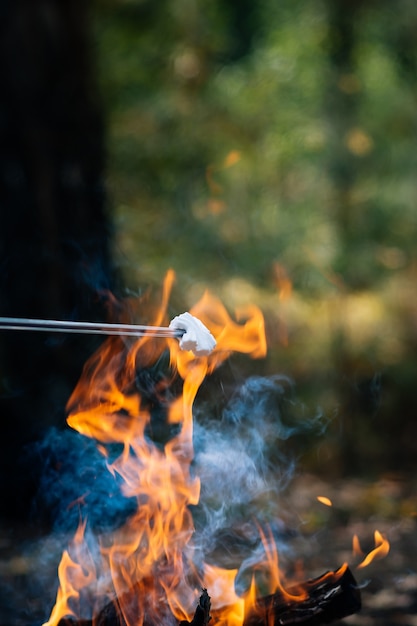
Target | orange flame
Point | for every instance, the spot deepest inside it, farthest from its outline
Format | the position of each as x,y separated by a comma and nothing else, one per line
381,549
147,563
356,546
274,574
73,576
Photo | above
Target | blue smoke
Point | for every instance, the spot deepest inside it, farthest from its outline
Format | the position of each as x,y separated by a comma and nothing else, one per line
76,483
245,460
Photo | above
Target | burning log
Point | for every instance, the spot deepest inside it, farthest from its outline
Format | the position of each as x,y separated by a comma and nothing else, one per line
322,600
202,613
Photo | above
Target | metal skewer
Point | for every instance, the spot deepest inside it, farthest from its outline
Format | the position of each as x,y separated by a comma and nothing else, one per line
94,328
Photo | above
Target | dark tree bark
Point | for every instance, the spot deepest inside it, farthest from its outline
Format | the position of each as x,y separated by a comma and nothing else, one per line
55,234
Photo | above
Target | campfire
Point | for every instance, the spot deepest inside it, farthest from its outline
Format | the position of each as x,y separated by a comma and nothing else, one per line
154,569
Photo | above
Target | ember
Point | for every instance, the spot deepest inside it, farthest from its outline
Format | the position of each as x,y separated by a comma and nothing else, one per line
149,571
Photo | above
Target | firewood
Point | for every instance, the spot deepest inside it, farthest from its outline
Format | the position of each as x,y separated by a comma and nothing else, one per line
330,597
202,613
110,616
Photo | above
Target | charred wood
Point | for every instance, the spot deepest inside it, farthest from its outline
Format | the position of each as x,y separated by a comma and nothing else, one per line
322,600
202,613
330,597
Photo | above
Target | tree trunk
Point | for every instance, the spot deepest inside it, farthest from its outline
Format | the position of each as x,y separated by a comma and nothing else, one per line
55,234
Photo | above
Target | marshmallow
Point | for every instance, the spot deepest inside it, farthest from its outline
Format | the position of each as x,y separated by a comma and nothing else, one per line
197,338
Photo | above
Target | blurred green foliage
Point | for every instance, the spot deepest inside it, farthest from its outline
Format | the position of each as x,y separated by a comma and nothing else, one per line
267,151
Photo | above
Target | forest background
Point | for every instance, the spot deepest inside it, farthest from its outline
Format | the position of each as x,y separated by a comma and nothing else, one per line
265,151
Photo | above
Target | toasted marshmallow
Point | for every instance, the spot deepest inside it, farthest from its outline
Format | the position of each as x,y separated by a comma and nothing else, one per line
196,338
